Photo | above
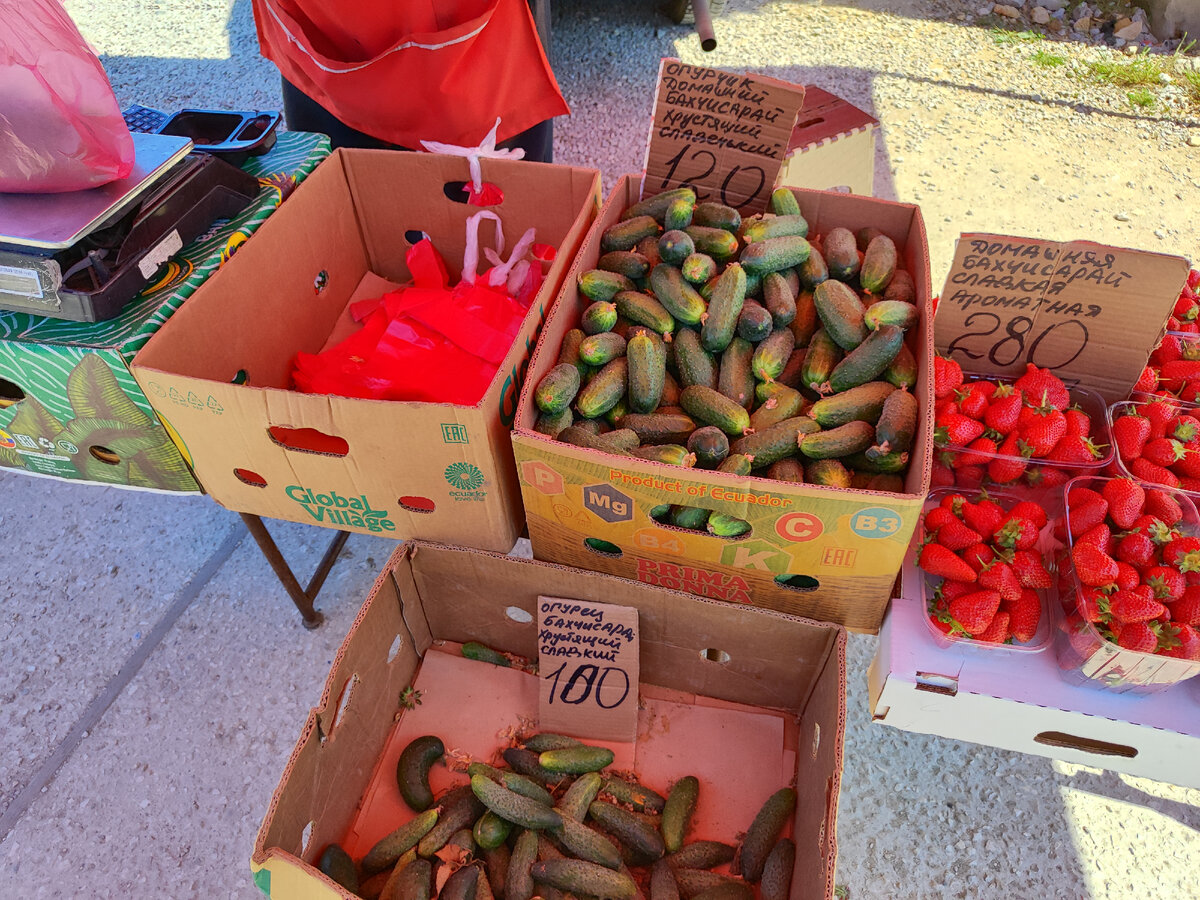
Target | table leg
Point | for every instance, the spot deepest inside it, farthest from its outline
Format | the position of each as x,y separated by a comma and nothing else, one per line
302,597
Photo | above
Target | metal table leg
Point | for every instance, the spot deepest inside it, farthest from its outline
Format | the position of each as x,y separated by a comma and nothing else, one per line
302,597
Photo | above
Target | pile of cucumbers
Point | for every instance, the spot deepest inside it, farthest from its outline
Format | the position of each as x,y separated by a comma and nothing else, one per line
751,347
553,825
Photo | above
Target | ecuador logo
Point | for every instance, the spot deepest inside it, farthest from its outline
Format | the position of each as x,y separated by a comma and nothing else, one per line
464,476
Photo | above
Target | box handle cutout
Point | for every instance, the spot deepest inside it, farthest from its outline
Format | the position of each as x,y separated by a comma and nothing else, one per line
343,704
714,655
840,189
1087,745
519,615
417,504
602,547
801,583
306,837
415,235
945,685
308,440
395,648
810,123
10,394
456,191
245,476
320,282
105,455
241,376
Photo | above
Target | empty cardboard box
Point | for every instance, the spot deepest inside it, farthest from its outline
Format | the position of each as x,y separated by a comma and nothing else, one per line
832,146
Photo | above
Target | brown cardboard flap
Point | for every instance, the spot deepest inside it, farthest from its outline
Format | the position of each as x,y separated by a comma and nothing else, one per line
722,133
1089,312
825,117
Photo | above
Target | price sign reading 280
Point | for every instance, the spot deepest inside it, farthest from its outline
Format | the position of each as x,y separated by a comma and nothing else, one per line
588,668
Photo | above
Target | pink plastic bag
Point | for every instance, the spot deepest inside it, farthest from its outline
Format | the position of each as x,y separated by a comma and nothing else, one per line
60,126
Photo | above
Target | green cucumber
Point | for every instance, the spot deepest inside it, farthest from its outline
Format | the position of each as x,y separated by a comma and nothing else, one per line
658,204
626,234
693,364
841,313
482,653
642,309
674,247
891,463
514,781
552,424
868,360
864,236
841,254
692,518
496,861
755,322
776,882
413,882
891,312
789,469
599,317
698,268
578,876
813,270
579,796
774,227
548,740
701,854
725,525
662,882
569,352
774,253
525,762
597,284
713,408
878,265
724,307
778,402
897,424
903,370
859,404
604,390
772,354
647,372
710,445
390,848
902,288
718,243
587,844
490,830
624,262
806,321
716,215
827,472
629,829
518,881
736,464
412,770
679,213
675,293
576,760
735,377
460,885
784,203
600,349
823,354
776,442
512,806
670,454
694,882
659,428
557,388
336,864
853,437
459,809
640,797
764,831
677,814
779,298
620,441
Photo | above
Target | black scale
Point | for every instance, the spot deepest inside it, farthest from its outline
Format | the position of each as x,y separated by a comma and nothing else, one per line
82,255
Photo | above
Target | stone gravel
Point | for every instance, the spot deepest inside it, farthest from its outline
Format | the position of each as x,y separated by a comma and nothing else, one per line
972,130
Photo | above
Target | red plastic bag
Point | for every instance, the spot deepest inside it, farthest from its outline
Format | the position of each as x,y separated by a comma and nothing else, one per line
60,126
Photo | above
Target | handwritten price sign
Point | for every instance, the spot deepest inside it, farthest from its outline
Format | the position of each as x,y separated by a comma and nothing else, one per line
588,660
1089,312
725,135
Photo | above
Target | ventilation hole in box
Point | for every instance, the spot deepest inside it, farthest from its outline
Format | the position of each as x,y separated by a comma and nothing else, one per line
1088,745
10,394
415,235
395,648
518,615
714,655
320,282
104,455
343,704
841,189
308,440
456,191
602,547
417,504
816,738
245,476
809,123
802,583
241,376
306,838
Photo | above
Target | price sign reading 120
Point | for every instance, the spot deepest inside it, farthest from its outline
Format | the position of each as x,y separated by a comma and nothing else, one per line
588,668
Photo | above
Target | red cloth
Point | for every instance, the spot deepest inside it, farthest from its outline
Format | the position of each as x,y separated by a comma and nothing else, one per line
404,72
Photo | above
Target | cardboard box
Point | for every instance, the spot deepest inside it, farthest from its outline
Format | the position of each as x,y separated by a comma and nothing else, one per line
70,407
400,469
832,146
1021,702
699,660
825,553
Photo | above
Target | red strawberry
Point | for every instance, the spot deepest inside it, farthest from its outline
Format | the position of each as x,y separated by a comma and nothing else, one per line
1099,536
1136,549
942,625
978,453
1147,381
1008,465
947,377
975,611
1183,553
1000,576
1126,498
1185,642
970,477
954,535
978,555
985,516
1031,571
1084,516
973,399
942,475
1041,431
1093,566
1041,386
1078,422
1132,606
956,430
1016,533
954,503
951,589
938,560
1167,583
1027,509
1025,614
1191,390
1046,477
1180,369
1159,412
1155,529
937,517
1163,506
1186,609
1184,428
1001,415
1163,451
1148,471
1093,604
1074,450
1168,349
1138,636
1127,576
997,630
1130,434
1188,465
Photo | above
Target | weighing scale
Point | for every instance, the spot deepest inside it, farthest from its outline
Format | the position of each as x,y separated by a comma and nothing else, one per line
82,255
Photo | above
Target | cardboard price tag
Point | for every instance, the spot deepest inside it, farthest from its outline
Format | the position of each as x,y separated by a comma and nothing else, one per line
588,667
1088,312
723,134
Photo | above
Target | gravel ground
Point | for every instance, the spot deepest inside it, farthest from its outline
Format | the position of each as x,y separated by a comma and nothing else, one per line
972,130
